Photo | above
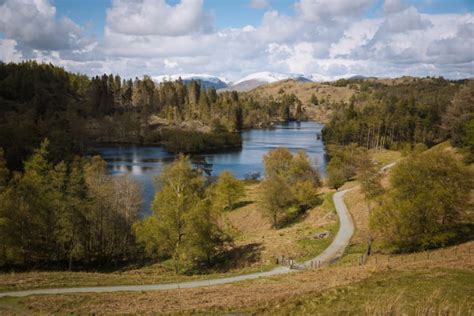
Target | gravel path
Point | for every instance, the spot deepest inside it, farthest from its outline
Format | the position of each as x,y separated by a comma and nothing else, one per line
333,252
343,236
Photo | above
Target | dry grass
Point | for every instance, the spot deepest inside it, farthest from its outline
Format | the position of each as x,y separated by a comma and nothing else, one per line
304,90
268,294
152,274
256,247
251,227
436,291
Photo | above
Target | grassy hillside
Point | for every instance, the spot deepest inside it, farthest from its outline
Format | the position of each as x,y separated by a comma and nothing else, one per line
394,293
304,91
255,249
295,240
445,276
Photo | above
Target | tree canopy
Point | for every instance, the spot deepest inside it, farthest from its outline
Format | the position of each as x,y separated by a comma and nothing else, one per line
289,180
184,226
428,198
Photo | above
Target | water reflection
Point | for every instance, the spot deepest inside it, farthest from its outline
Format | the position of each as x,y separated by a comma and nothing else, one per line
144,163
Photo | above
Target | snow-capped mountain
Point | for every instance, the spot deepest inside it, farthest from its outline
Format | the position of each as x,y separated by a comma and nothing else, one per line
319,78
255,80
207,81
271,77
251,81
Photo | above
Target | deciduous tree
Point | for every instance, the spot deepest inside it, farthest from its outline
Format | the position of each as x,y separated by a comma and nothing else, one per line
428,197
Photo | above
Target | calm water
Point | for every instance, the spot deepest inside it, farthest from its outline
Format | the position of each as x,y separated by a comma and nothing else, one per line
145,163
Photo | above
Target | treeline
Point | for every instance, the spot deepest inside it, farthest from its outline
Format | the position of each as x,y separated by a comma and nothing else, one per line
65,213
177,141
40,101
421,111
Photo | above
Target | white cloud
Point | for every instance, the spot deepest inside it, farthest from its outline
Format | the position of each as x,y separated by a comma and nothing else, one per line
259,4
317,10
326,38
454,49
34,24
156,17
8,52
358,34
169,64
403,21
393,6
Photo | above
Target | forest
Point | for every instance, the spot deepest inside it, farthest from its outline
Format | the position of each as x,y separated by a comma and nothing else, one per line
73,111
424,110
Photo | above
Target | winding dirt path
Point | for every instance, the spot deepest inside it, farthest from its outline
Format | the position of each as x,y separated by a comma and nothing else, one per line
330,254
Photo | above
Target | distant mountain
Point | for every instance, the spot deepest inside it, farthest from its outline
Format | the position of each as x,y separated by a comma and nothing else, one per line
207,81
251,81
258,79
319,78
358,77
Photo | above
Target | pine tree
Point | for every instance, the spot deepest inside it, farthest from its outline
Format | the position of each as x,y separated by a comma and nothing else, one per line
4,173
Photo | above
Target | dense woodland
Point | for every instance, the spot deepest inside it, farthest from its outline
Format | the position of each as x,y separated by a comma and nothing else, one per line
65,213
421,110
417,210
39,101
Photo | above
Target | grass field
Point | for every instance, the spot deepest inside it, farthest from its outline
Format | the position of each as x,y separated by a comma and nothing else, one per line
256,247
445,276
295,240
435,292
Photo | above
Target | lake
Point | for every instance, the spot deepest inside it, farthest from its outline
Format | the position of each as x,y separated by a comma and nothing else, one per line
144,163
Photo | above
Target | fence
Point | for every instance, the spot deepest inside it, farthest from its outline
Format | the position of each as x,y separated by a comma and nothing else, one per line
445,254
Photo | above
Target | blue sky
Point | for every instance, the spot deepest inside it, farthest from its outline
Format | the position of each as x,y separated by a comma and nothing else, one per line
233,38
237,13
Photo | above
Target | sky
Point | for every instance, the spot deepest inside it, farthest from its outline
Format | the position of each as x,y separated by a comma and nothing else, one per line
233,38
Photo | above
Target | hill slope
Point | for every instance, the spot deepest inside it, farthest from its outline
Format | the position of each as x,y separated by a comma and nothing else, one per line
325,93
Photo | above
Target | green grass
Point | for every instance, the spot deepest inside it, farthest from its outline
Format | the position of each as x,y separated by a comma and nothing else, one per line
385,157
352,254
313,247
434,292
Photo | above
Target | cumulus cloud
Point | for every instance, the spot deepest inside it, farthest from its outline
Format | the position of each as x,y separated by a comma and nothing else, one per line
407,20
331,39
156,17
34,24
455,49
259,4
8,51
393,6
318,10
